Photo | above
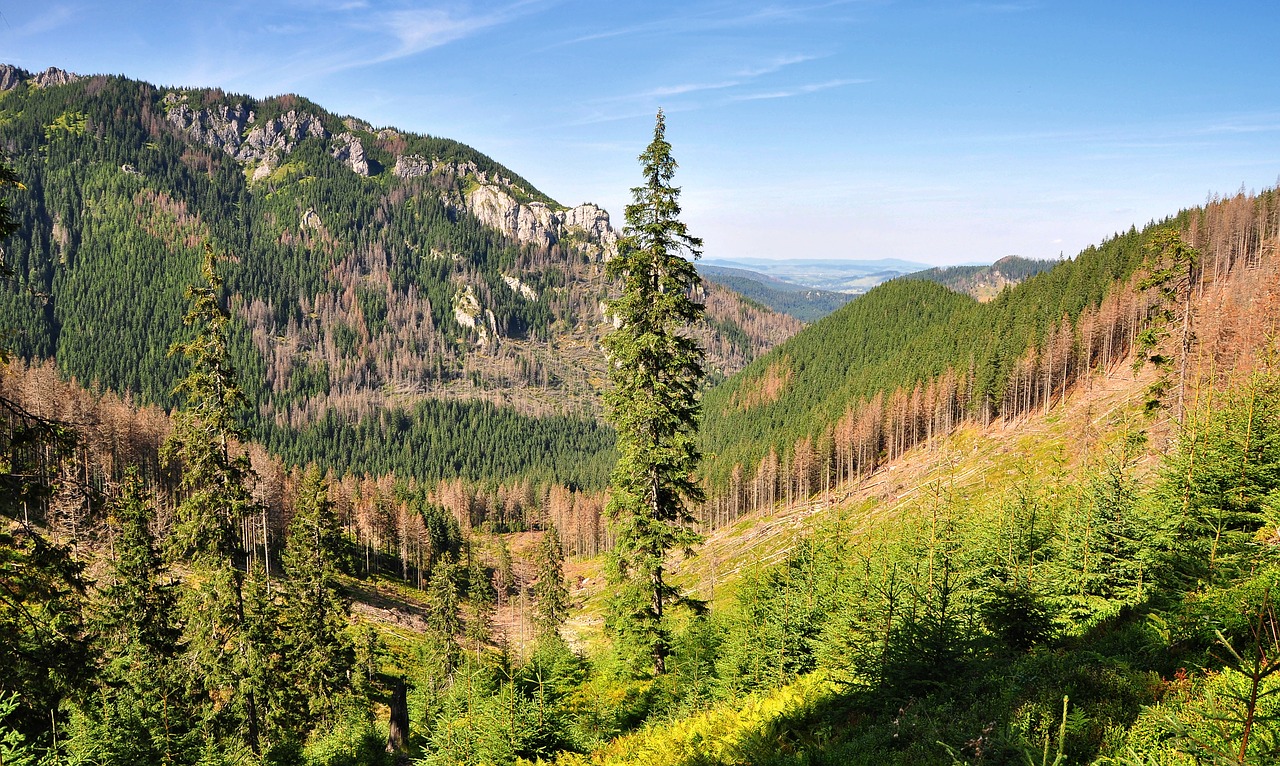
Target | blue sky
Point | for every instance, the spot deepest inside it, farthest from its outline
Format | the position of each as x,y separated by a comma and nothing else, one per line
942,132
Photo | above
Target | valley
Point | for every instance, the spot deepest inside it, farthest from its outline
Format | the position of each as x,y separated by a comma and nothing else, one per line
329,443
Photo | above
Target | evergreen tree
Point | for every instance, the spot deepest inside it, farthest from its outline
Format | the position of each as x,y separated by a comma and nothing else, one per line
442,607
655,369
483,599
209,517
315,613
138,711
551,596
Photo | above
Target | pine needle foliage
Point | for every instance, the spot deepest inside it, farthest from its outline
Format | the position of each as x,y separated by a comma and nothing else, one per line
655,369
212,477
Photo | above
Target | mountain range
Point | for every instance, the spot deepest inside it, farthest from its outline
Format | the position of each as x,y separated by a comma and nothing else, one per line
369,270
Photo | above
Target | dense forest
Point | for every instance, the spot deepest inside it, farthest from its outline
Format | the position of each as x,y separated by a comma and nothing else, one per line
373,275
986,282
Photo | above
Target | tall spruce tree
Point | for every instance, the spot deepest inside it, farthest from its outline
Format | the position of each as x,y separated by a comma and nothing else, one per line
655,369
315,614
551,596
215,501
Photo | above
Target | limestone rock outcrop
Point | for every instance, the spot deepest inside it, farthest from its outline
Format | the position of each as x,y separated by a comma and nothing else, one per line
539,223
223,127
412,166
347,148
53,77
12,76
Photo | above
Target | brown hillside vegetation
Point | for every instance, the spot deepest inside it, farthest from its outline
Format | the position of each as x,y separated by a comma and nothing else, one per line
1230,305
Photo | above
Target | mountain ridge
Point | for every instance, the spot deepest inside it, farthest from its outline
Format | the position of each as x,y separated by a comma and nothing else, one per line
368,270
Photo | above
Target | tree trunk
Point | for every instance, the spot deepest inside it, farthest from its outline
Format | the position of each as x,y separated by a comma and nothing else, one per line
398,729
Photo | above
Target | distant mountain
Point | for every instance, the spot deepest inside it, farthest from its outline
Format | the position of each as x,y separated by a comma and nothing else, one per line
804,303
373,274
986,282
846,276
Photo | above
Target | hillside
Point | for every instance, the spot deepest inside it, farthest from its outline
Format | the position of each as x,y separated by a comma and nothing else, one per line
986,282
1091,579
910,359
373,273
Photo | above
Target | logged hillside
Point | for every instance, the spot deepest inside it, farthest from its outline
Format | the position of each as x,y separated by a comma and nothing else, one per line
910,360
372,273
1089,581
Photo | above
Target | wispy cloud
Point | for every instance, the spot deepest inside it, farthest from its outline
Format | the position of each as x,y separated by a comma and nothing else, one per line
387,35
718,19
676,90
799,90
53,18
419,30
777,64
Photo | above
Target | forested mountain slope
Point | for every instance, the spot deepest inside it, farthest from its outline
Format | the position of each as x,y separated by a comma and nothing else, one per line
911,359
804,303
372,273
986,282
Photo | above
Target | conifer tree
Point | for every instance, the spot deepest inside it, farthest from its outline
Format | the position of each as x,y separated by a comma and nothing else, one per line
551,597
215,501
655,369
137,711
442,610
315,613
483,598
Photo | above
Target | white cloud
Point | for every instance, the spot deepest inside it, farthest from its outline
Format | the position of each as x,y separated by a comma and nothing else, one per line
799,90
775,65
422,29
53,18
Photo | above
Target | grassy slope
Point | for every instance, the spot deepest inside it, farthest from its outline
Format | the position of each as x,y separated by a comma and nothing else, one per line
972,465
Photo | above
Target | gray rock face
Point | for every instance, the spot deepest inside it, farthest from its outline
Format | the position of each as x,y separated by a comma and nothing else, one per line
538,223
416,166
223,127
347,148
279,136
52,77
11,77
497,209
412,166
593,222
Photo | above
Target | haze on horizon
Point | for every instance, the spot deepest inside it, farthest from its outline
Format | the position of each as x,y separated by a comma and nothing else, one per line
936,132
